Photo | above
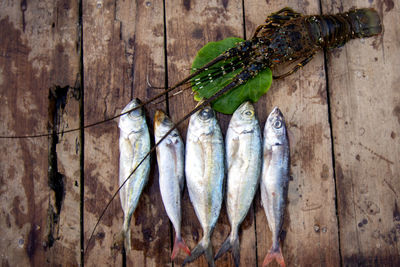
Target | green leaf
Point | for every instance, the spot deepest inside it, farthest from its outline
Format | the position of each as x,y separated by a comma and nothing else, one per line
227,103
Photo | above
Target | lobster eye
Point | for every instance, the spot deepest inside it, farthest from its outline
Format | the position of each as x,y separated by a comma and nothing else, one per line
277,124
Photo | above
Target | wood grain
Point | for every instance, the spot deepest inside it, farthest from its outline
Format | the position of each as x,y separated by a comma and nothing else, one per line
343,117
364,81
190,25
310,228
152,233
107,88
123,46
38,52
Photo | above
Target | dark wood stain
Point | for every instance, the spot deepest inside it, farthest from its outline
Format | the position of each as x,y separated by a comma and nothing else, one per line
197,33
388,3
186,4
325,172
396,213
396,113
13,46
225,3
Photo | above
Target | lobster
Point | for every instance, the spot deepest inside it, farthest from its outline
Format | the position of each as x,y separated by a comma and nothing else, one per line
286,36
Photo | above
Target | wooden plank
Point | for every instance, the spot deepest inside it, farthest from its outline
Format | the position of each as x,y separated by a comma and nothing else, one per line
310,228
364,78
190,25
152,233
123,45
38,52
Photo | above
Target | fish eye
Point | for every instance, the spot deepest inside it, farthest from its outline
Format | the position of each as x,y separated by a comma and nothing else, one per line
277,124
206,113
135,113
249,113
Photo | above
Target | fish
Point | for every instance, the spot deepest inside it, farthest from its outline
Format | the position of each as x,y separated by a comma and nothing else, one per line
275,180
171,162
243,163
134,144
204,169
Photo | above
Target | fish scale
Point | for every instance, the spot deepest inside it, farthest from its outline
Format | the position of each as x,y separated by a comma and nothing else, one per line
204,168
243,161
275,180
170,159
134,144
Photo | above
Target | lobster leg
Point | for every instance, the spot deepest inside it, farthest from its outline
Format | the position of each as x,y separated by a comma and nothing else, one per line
296,68
276,19
285,13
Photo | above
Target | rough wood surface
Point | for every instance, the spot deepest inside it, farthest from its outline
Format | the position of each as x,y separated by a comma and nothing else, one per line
191,25
121,50
364,79
37,53
107,87
343,117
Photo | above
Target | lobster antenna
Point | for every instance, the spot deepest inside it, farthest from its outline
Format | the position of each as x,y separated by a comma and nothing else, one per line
167,90
199,106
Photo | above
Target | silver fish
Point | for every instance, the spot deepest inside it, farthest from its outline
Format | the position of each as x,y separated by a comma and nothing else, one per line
204,168
134,144
243,162
170,159
275,179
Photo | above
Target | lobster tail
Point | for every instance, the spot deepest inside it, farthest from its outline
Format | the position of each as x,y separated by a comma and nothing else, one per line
335,30
364,22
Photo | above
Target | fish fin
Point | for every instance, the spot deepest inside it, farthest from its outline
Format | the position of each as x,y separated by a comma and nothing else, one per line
179,244
274,254
233,245
226,246
203,247
236,252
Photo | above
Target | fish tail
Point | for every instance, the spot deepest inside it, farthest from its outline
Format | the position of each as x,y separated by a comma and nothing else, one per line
179,244
274,254
126,234
231,243
203,247
127,238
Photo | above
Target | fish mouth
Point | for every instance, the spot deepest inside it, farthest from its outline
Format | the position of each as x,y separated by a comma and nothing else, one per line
131,105
246,105
277,112
160,118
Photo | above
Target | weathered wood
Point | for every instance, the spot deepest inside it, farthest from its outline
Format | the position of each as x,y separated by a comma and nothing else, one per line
123,45
38,52
190,25
364,78
151,233
107,87
310,228
123,49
